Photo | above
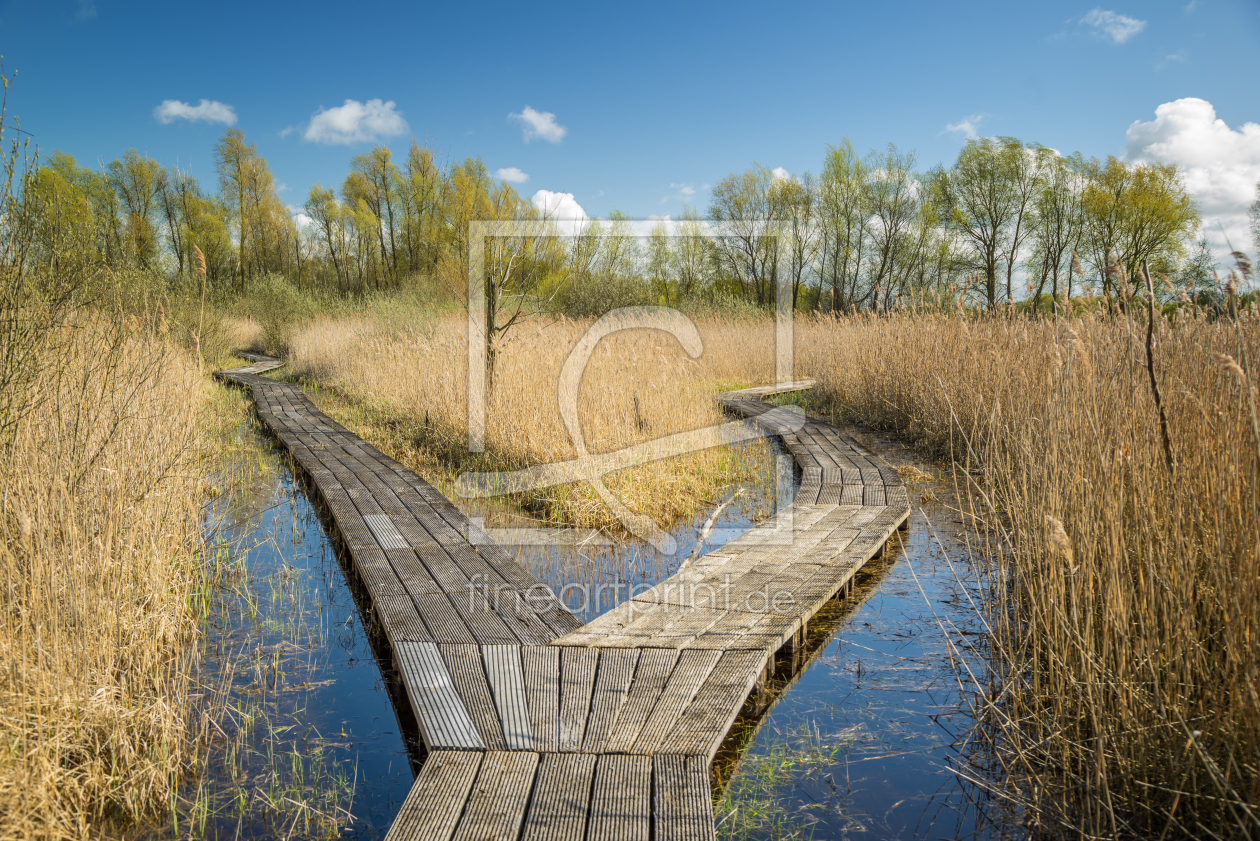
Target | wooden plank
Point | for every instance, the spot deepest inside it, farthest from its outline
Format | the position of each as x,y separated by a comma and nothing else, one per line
384,531
682,803
688,676
621,800
507,683
577,679
709,716
469,676
499,797
561,798
443,720
442,620
400,620
541,666
874,495
612,682
412,574
650,676
436,800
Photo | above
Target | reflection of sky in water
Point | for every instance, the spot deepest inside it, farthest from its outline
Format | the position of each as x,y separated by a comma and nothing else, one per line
862,743
880,700
319,678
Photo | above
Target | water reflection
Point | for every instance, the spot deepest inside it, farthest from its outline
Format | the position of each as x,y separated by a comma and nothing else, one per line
861,738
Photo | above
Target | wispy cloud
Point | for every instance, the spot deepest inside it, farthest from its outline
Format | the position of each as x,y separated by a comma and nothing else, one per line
1119,28
684,191
355,122
206,111
512,174
968,127
540,125
1191,6
85,10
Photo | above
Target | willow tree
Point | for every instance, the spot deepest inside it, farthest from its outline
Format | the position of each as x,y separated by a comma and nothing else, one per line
1138,212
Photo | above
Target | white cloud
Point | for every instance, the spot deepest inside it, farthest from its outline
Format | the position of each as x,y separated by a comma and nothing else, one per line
652,217
969,127
355,122
86,10
780,172
685,191
301,219
512,174
1191,6
205,111
1221,164
561,207
539,124
1119,28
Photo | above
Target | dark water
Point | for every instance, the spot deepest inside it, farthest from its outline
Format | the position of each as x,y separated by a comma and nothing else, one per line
868,733
860,742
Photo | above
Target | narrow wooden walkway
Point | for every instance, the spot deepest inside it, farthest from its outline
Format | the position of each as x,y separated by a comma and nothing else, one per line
538,728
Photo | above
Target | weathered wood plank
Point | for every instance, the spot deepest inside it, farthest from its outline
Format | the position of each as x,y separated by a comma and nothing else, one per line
682,805
499,797
469,676
443,720
507,683
621,801
577,680
561,798
690,673
650,676
542,692
612,682
436,800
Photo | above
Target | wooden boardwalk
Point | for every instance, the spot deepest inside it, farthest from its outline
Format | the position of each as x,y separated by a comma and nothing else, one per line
537,728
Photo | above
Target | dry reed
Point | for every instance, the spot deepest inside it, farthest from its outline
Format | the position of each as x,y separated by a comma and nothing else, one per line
1126,596
98,538
638,386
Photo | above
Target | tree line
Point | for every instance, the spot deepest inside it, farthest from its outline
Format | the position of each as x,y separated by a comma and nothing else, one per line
1007,220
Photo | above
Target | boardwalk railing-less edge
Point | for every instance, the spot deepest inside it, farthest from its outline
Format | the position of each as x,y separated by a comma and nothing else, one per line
537,728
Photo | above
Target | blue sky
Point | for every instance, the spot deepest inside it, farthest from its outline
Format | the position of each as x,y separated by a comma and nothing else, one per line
655,101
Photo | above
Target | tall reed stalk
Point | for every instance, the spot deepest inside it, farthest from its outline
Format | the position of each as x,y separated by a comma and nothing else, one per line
1125,598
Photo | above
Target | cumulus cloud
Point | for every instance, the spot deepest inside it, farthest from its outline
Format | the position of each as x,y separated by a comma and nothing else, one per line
512,174
539,125
1119,28
1221,164
205,111
652,217
561,207
355,122
969,127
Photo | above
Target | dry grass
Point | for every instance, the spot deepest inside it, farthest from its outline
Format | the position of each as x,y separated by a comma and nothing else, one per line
1127,697
98,538
639,385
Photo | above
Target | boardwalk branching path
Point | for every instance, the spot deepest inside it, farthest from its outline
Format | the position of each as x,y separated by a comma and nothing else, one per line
537,728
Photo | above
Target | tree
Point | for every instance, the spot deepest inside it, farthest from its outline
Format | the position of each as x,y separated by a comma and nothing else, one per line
793,202
981,198
1059,221
896,233
137,182
328,222
1139,211
747,243
843,208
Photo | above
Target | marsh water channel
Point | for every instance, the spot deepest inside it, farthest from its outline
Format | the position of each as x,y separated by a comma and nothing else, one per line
861,738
